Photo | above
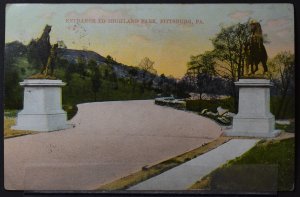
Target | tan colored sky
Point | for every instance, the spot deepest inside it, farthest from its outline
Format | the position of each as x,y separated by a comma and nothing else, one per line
168,45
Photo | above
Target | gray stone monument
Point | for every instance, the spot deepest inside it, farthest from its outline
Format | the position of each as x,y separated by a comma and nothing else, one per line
254,118
42,110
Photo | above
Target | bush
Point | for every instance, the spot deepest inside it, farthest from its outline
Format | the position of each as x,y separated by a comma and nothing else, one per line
288,109
227,121
211,105
287,112
11,113
71,110
178,104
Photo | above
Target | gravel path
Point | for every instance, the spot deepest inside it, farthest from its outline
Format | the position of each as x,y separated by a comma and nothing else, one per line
183,176
110,140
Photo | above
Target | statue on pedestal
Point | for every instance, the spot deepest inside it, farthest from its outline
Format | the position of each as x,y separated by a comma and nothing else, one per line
255,49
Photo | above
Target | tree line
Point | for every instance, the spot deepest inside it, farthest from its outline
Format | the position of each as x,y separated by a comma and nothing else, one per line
215,71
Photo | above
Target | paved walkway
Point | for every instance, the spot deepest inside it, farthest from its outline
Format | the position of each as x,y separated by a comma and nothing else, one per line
110,140
183,176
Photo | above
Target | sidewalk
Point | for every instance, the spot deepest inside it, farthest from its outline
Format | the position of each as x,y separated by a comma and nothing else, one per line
183,176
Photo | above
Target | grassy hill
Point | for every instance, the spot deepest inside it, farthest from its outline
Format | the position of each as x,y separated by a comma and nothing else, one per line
72,66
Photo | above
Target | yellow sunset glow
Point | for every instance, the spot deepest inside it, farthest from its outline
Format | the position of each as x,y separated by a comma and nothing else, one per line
169,44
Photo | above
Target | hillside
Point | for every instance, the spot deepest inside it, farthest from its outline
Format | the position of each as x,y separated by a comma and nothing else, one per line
72,54
16,49
117,81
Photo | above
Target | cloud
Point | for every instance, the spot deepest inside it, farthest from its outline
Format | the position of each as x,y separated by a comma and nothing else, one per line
284,32
275,23
99,12
47,15
238,15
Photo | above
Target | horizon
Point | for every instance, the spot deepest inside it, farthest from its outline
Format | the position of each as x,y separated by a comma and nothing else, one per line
142,33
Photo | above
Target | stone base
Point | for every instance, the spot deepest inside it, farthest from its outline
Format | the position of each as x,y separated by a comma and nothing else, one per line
254,118
254,124
42,109
42,122
230,132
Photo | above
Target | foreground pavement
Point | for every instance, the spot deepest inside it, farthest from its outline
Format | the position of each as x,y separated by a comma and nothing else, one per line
183,176
110,140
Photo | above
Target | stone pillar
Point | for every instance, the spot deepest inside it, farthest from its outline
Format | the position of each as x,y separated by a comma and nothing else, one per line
254,118
42,108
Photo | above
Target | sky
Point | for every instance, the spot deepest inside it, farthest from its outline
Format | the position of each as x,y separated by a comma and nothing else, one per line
169,45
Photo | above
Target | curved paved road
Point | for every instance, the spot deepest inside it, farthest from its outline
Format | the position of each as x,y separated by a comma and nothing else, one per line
110,140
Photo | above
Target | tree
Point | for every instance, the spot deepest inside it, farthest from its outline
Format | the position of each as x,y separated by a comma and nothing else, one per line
69,69
229,50
95,78
205,63
182,88
110,60
61,44
146,65
283,71
81,67
114,79
133,72
201,68
12,90
68,75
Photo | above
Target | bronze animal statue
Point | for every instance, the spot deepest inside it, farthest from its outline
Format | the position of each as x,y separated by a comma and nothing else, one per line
45,36
254,49
40,48
45,54
50,62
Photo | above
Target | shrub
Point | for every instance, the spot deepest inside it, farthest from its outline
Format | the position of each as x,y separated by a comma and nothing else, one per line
168,101
71,110
210,105
288,111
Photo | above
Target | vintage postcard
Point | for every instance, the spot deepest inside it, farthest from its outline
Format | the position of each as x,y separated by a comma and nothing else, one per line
149,97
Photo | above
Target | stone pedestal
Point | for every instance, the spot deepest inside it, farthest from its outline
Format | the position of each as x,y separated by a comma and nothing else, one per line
42,109
254,118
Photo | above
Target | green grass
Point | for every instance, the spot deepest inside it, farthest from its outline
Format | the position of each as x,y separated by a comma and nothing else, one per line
268,165
11,113
79,91
150,171
9,121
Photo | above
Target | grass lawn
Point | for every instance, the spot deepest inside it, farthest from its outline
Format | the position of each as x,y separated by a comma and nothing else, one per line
150,171
8,132
268,166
